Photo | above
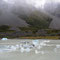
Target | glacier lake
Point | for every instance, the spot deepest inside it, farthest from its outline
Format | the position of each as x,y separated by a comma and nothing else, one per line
29,49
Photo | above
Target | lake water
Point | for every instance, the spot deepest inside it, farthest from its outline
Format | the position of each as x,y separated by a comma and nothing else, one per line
29,49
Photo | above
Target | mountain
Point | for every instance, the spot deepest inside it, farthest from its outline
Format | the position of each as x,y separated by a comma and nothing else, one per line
53,9
23,16
7,18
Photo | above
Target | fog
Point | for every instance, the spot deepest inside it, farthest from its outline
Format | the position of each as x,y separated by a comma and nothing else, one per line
27,6
42,4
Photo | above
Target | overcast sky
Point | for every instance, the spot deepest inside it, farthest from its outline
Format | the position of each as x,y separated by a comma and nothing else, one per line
37,3
10,4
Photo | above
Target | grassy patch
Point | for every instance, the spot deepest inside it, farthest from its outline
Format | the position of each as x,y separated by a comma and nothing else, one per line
42,37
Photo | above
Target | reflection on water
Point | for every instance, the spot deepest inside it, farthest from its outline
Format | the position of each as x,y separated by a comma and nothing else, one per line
38,46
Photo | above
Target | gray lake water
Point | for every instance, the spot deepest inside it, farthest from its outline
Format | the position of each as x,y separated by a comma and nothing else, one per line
29,49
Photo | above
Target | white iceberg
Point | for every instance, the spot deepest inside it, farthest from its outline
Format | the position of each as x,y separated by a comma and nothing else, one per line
4,39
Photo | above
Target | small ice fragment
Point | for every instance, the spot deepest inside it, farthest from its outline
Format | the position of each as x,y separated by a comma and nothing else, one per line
47,41
35,42
4,39
27,49
55,49
37,52
17,46
13,48
22,49
43,44
39,47
57,46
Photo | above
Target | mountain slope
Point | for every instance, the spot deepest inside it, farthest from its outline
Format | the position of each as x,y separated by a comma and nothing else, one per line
53,10
7,18
36,19
23,16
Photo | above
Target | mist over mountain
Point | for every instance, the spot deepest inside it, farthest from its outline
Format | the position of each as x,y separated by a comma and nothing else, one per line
18,13
53,8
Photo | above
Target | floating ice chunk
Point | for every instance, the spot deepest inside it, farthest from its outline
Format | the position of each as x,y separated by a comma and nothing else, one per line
25,46
43,44
5,49
37,52
27,49
4,39
17,46
57,46
20,46
55,49
22,49
31,46
13,48
35,42
39,47
47,41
